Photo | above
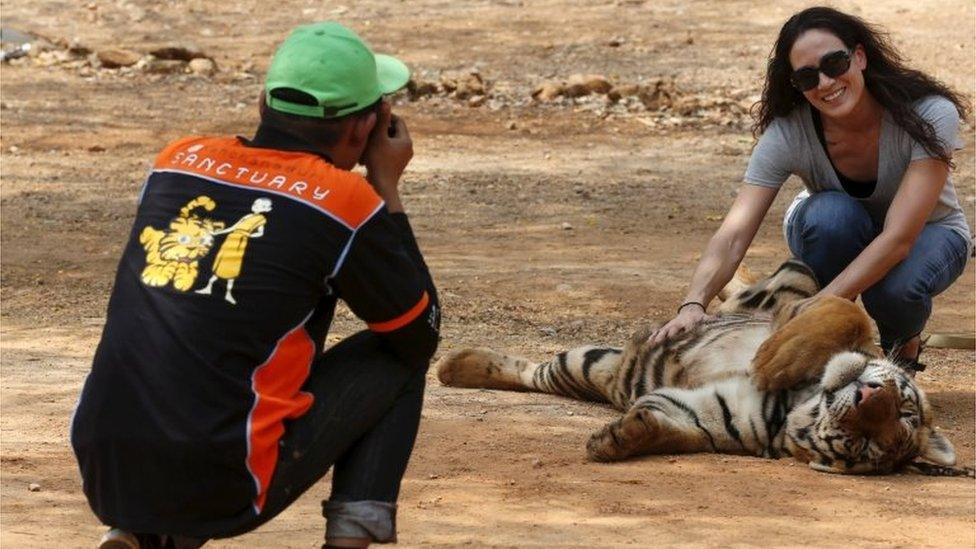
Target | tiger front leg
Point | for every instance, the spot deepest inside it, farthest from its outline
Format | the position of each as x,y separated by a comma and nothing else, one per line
802,343
185,276
647,428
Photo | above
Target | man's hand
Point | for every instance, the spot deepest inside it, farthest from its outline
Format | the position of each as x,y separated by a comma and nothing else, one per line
687,318
386,157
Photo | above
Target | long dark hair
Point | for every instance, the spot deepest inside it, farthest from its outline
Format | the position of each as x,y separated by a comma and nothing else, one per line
886,77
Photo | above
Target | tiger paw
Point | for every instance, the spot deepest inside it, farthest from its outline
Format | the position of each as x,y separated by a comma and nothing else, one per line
800,348
155,275
476,368
630,435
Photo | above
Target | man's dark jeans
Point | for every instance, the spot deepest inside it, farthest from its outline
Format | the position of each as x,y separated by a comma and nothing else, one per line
363,421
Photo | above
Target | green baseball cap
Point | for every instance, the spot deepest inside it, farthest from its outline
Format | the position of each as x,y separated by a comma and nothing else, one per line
333,68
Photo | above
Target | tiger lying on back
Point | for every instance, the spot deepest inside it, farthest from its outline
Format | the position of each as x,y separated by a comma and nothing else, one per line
829,399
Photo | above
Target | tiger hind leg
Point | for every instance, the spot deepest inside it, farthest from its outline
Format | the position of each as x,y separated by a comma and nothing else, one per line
586,373
791,282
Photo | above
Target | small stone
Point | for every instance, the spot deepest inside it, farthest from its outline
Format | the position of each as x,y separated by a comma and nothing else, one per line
115,58
548,91
463,85
512,125
165,66
548,330
432,477
476,101
96,149
536,463
34,487
203,66
615,42
179,52
14,149
579,85
620,91
566,226
420,88
570,413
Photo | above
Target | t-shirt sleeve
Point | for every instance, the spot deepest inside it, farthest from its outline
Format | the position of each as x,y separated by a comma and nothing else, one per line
942,114
771,161
385,282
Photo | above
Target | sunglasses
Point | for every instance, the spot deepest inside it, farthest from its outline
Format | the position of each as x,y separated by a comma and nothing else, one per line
833,65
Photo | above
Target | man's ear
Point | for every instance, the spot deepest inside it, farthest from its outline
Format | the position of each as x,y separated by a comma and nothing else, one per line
362,127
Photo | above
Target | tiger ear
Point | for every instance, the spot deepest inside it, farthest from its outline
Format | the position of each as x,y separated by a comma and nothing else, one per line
938,449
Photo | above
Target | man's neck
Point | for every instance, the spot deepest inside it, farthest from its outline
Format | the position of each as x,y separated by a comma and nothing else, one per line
269,137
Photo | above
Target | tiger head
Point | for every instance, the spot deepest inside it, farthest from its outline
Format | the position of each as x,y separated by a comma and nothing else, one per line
868,418
190,236
188,239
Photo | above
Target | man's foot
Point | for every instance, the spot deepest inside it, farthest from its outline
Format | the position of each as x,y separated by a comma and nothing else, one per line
118,539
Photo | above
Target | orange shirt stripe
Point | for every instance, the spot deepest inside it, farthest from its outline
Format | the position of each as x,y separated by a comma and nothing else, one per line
304,177
277,392
404,319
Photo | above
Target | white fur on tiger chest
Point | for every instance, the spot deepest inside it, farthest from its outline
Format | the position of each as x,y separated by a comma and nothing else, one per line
727,357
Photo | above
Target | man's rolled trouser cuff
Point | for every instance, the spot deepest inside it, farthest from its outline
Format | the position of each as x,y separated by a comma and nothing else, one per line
375,520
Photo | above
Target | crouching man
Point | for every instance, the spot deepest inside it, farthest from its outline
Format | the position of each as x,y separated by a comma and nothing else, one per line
211,405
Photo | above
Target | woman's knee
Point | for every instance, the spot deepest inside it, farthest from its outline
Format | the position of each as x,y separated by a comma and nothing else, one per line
894,294
899,302
833,216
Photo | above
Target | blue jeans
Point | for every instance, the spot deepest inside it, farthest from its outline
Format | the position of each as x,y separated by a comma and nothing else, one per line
829,229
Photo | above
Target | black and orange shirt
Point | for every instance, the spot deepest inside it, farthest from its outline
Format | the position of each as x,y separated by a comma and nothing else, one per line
222,300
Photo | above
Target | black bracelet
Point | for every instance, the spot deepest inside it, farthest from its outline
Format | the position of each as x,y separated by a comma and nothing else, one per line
686,303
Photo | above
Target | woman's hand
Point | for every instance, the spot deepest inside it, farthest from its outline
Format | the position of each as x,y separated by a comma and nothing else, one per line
687,318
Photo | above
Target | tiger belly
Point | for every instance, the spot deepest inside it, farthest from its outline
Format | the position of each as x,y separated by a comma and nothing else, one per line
715,354
728,417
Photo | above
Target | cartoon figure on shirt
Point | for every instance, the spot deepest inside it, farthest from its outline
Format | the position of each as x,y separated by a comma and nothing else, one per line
230,257
172,255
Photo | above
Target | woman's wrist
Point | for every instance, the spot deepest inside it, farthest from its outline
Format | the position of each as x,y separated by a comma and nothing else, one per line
691,304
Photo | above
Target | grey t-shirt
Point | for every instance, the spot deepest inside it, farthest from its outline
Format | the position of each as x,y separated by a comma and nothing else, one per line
790,146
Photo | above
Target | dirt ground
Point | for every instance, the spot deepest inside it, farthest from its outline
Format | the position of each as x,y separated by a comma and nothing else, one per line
545,225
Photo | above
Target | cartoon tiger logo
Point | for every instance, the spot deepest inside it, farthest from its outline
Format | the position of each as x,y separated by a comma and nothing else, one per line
172,255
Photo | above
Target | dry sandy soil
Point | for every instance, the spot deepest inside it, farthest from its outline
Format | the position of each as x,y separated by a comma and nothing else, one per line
489,192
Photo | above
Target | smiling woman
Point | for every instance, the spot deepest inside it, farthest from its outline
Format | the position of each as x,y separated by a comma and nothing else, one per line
872,141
